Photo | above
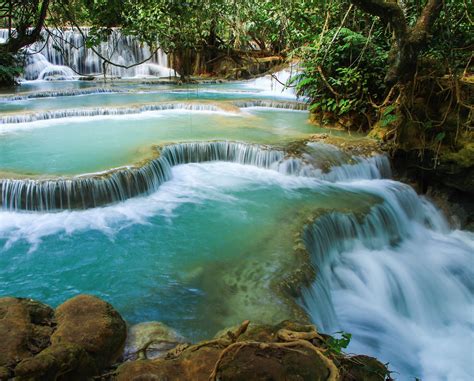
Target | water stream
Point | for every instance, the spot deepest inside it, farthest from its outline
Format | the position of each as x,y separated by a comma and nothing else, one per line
184,205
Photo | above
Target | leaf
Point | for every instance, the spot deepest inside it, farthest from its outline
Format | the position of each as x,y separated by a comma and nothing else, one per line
389,109
440,136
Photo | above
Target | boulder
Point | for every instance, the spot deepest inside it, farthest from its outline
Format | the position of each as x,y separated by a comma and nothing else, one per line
60,362
261,361
150,340
93,325
78,340
25,330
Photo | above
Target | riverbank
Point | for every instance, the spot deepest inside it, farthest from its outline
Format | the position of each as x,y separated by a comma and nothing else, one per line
86,337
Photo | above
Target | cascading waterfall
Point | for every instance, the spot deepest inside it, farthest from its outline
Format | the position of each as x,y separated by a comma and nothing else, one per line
60,93
73,59
82,192
60,114
84,112
276,83
398,280
119,185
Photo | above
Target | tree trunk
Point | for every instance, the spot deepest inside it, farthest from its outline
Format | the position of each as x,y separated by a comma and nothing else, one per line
25,36
408,41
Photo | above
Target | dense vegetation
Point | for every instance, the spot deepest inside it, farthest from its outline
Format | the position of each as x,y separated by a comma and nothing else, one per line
399,69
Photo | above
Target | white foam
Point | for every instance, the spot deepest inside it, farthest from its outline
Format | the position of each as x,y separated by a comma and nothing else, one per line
11,127
191,183
399,281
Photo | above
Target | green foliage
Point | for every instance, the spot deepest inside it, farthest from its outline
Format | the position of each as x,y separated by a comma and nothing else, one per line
452,40
342,72
388,116
336,345
10,69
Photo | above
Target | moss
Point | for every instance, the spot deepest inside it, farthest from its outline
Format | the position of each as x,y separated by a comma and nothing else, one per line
463,157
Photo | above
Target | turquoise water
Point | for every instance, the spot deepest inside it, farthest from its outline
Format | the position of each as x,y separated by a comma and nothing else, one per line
198,254
213,245
132,94
83,145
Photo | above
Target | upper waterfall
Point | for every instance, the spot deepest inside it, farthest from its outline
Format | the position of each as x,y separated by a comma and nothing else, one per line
63,55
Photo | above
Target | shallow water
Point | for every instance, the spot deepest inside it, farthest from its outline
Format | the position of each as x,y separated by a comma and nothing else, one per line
82,145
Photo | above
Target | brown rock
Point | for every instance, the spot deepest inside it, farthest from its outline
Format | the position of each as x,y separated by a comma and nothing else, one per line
93,325
150,340
265,362
193,365
64,362
25,328
363,368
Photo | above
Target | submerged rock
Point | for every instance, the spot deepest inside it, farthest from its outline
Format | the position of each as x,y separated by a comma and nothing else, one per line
150,340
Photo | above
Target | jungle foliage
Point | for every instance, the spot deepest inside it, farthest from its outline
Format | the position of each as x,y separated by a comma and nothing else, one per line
366,64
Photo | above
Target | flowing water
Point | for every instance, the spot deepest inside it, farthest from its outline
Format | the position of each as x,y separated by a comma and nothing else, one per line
182,204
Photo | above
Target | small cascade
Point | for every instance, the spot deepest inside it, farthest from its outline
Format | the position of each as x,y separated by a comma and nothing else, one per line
88,191
60,93
242,153
276,84
59,114
329,163
396,279
46,62
38,67
296,106
82,192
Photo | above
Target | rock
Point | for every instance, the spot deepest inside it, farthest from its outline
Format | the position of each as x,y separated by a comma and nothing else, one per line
5,373
150,340
60,362
363,368
268,362
93,325
81,338
193,365
25,330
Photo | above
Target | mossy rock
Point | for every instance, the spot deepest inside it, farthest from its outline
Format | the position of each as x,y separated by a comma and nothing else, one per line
362,368
264,362
92,324
65,362
25,330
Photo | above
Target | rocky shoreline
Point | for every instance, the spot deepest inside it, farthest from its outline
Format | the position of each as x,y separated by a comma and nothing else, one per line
86,338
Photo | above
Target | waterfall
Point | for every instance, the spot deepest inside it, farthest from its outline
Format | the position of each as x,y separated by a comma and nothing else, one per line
60,93
89,191
63,55
82,192
398,280
276,83
59,114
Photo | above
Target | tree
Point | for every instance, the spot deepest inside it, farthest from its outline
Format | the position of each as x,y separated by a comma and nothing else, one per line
25,20
408,41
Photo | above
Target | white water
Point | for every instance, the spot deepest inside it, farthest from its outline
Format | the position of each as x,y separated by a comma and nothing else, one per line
82,192
275,84
45,62
399,281
83,114
190,183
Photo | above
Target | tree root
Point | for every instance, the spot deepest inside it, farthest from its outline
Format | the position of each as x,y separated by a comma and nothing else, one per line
291,341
